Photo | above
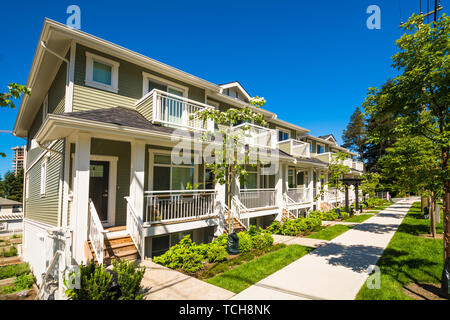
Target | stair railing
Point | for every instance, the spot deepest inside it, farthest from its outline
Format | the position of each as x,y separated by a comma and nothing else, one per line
287,201
237,207
96,233
135,228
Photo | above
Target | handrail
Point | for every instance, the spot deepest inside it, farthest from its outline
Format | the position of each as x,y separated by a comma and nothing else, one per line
150,94
238,205
96,232
180,191
46,274
135,227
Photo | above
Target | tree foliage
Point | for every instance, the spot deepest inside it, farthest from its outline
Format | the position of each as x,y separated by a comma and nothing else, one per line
11,186
355,135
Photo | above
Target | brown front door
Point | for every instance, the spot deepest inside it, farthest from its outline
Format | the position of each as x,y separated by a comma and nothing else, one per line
99,187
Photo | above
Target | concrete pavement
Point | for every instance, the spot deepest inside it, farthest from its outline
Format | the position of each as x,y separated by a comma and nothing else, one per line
335,270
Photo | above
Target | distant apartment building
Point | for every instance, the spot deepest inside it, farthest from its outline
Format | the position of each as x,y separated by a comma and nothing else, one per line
18,158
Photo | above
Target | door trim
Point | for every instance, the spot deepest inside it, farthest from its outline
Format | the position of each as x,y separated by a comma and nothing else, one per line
112,186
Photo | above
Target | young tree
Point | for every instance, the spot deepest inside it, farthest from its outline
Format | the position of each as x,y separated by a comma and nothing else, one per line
11,186
370,182
355,135
231,157
423,86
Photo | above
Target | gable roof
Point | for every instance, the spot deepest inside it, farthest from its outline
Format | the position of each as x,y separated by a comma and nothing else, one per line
329,137
8,202
235,84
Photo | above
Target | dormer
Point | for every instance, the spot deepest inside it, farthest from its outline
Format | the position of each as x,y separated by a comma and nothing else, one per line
235,90
329,137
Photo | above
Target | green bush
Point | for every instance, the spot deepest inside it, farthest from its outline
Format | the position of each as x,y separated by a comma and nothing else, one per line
316,214
259,242
174,257
192,261
252,230
275,227
222,240
268,238
24,282
129,280
245,242
14,270
94,284
345,215
313,222
216,253
330,216
12,252
290,228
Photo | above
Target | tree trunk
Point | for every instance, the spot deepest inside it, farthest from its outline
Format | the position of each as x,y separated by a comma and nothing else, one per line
432,217
446,272
229,202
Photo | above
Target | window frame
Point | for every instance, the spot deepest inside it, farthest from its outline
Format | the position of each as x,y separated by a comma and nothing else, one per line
146,77
283,131
89,81
322,145
43,177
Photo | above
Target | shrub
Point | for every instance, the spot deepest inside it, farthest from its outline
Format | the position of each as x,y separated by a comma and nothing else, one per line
14,270
129,280
12,252
222,240
174,257
290,228
301,224
24,282
252,230
245,242
259,242
316,214
94,284
313,222
268,238
275,227
216,253
345,215
192,261
330,216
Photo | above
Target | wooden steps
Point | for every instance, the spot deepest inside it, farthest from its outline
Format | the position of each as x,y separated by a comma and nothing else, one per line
120,247
287,215
236,224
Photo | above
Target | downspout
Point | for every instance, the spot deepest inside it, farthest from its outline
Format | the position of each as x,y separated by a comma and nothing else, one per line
54,53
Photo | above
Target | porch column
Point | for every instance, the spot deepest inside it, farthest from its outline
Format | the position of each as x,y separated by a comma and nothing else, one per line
80,214
357,196
279,201
310,187
218,207
346,199
137,177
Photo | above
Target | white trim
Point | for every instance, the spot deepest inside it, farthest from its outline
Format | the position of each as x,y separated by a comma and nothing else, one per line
89,81
320,144
43,177
27,186
170,84
68,106
45,153
45,108
235,85
279,129
112,185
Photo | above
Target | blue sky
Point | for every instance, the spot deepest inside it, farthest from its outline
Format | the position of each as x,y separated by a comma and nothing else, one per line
312,60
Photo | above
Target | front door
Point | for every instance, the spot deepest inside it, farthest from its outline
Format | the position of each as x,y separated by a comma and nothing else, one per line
99,187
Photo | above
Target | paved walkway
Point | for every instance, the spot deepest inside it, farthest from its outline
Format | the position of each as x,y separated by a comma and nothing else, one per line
307,242
336,270
166,284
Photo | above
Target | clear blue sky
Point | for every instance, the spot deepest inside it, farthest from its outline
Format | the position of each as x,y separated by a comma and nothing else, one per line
312,60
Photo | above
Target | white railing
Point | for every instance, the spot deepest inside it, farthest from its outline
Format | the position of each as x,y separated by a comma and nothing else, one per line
168,206
334,195
254,135
295,148
174,110
257,198
237,208
348,163
135,227
358,165
96,233
298,195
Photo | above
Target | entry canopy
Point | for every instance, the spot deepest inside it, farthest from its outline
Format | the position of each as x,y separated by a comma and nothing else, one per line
351,181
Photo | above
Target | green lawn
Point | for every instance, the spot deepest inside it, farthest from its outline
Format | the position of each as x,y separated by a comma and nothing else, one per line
330,233
245,275
359,218
408,259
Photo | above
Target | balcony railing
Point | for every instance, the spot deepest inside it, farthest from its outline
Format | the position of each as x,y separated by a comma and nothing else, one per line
178,205
169,109
254,135
358,165
295,148
258,198
299,195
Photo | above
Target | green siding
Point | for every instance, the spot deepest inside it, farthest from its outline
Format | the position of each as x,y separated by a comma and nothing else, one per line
122,150
57,91
44,208
130,85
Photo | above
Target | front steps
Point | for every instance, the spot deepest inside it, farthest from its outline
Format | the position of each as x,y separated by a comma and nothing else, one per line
117,245
237,226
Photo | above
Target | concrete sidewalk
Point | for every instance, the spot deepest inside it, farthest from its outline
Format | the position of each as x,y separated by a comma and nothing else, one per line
336,270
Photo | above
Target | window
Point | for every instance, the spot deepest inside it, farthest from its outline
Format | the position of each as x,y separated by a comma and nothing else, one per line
291,178
43,176
102,73
251,180
320,148
27,186
282,135
169,176
209,179
151,82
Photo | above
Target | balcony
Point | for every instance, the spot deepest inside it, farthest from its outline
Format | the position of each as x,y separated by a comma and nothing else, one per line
295,148
168,109
358,165
256,199
298,195
255,136
178,205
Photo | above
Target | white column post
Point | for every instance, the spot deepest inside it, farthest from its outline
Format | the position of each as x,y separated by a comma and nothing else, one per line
80,211
220,199
311,186
279,191
137,176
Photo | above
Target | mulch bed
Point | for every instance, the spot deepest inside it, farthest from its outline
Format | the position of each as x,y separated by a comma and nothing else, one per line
427,235
6,261
424,291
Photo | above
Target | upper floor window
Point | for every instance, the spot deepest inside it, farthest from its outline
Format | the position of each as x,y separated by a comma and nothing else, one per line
151,82
44,176
102,73
320,148
282,135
